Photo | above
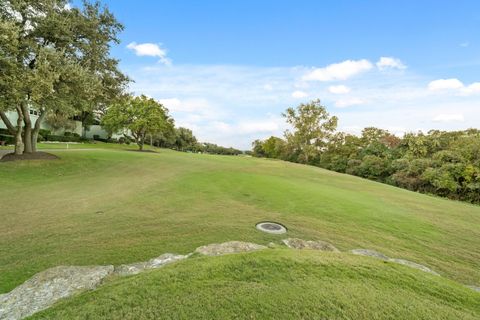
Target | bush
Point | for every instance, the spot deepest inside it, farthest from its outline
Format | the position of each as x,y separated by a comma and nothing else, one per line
82,139
71,134
62,138
4,132
7,139
44,132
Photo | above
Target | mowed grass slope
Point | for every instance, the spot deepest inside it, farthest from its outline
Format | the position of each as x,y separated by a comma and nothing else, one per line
275,284
116,206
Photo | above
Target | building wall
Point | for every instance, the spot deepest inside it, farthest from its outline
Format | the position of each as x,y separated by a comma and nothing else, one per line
93,130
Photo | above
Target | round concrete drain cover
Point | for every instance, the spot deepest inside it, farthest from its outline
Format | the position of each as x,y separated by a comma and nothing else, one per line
271,227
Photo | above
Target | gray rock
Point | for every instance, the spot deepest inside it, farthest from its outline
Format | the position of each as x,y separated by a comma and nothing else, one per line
134,268
381,256
474,288
49,286
370,253
414,265
296,243
216,249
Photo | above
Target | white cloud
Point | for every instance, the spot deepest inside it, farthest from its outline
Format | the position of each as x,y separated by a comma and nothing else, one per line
445,84
471,89
229,106
150,50
339,71
464,44
198,105
342,103
445,117
299,94
268,87
390,62
455,85
267,126
341,89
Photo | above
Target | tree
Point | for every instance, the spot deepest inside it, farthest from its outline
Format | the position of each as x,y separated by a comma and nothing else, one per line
184,139
312,128
139,115
54,60
257,148
274,147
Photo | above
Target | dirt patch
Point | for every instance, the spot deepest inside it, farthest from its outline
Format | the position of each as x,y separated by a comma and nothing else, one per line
29,156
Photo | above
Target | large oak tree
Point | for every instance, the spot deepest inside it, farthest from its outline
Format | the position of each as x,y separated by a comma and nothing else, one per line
55,59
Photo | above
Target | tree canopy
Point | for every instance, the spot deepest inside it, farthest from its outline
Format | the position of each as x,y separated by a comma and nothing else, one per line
55,59
141,116
437,162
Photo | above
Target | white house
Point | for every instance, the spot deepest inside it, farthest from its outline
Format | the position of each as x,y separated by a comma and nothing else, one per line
91,131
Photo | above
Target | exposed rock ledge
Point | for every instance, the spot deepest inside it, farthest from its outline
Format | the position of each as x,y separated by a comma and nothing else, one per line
381,256
216,249
49,286
295,243
474,288
134,268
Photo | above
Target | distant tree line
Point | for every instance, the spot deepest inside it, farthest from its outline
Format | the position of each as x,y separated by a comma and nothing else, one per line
443,163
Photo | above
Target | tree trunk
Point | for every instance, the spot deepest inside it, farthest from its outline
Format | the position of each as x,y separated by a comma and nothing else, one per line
18,134
27,134
7,122
140,142
36,130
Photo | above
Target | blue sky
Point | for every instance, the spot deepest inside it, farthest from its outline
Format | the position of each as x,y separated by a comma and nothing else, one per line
227,69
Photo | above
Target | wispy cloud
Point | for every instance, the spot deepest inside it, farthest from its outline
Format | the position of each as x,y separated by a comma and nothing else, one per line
340,89
299,94
390,63
150,50
339,71
452,117
348,102
234,105
445,84
454,85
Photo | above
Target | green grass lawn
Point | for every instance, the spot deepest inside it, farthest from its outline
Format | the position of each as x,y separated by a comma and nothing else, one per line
276,284
110,206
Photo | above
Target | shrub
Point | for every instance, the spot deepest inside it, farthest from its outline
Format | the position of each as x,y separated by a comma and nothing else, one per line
8,139
62,138
71,134
44,132
4,131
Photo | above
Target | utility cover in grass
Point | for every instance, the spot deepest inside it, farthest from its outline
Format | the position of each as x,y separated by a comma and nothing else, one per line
271,227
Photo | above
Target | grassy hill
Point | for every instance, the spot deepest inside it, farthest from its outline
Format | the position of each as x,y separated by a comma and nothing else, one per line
111,206
275,284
